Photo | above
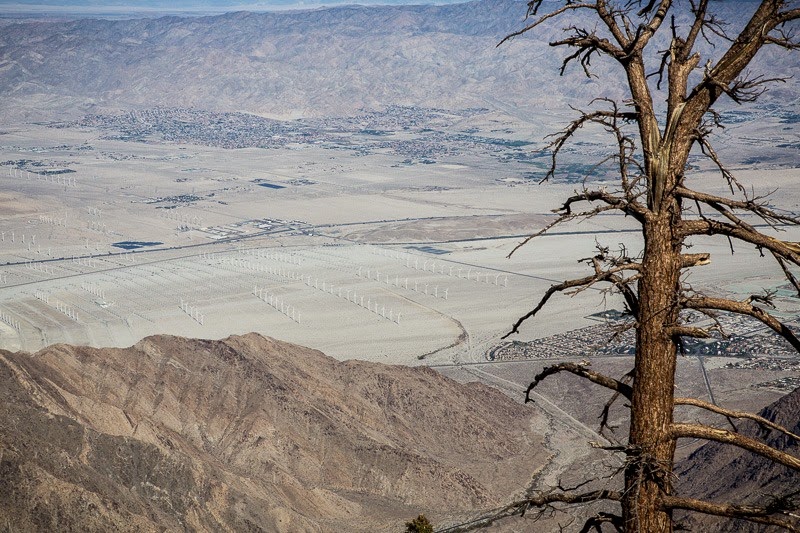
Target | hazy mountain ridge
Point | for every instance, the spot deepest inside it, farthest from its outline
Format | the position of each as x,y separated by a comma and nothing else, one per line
331,61
248,433
305,62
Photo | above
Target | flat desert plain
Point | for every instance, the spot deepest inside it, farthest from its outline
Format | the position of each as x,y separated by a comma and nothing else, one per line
361,253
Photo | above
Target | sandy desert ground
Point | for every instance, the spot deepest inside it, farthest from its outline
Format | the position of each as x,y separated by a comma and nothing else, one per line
355,254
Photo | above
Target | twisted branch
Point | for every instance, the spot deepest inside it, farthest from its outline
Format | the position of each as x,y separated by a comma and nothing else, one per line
610,201
787,250
598,117
744,307
533,11
541,501
580,370
610,276
720,204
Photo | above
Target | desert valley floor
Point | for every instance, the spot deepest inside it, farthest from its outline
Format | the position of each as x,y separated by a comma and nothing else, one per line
375,244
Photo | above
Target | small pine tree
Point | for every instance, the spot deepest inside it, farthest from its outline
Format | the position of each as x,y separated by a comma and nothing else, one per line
419,525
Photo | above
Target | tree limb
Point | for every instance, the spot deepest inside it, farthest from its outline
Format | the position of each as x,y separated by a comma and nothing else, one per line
599,117
580,370
736,414
718,203
743,308
708,150
700,431
698,259
788,273
596,522
705,226
697,27
611,203
544,500
633,209
751,513
609,276
686,331
544,18
786,16
648,30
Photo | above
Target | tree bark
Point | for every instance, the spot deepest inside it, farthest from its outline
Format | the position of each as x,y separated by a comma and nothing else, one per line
649,470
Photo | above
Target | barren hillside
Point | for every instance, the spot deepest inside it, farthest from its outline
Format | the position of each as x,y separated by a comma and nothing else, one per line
720,472
244,434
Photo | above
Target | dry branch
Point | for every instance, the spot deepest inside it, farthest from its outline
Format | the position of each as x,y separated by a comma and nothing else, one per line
610,276
579,370
540,502
788,273
752,513
736,414
543,18
699,431
743,308
719,203
787,250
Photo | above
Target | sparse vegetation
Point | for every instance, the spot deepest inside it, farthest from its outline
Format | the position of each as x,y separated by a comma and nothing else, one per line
419,525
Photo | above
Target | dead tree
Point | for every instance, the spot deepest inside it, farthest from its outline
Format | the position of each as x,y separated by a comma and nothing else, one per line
652,144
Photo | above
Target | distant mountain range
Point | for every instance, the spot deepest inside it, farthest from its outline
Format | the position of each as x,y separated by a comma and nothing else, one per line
189,6
307,63
329,61
300,63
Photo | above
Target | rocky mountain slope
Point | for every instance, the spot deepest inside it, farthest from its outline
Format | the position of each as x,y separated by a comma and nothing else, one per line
248,434
720,472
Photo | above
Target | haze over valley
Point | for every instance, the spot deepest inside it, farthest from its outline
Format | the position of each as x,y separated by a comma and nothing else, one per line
352,180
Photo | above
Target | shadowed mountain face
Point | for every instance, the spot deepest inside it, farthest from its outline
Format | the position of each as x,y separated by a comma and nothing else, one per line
247,433
723,473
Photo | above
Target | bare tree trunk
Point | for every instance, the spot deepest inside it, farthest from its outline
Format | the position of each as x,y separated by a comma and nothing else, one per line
648,473
651,166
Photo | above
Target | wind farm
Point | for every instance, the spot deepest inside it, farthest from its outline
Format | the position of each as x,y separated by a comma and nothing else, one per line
358,255
185,242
